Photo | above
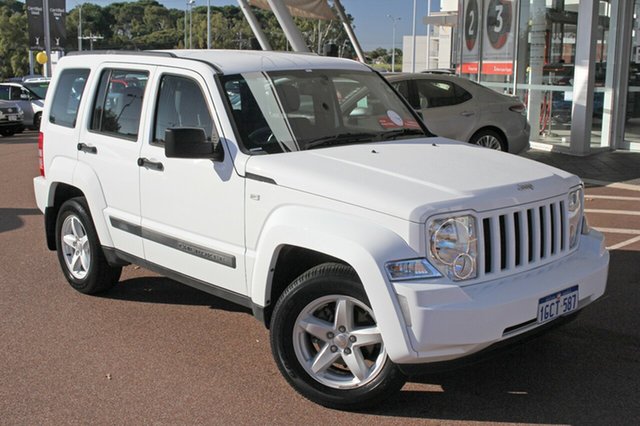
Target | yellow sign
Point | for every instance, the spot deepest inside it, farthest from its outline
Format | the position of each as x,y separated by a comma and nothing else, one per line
41,58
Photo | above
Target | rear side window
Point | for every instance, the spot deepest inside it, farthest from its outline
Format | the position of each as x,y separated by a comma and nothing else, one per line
67,97
118,104
4,93
439,93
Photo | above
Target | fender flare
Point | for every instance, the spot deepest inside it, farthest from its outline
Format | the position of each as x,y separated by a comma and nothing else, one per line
364,245
86,180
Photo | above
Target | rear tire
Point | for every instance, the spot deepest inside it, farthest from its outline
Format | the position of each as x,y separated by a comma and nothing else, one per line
37,120
7,132
326,342
489,139
79,251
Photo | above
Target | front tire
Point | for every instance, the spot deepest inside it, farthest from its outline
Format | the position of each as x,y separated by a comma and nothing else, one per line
325,340
79,251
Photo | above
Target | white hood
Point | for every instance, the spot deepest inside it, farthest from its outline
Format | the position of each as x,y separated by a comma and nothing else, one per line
413,179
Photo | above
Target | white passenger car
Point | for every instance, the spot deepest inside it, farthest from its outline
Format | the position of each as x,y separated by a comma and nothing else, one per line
304,188
463,110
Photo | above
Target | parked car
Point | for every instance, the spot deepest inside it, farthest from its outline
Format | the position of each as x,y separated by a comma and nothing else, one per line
30,99
11,118
463,110
305,189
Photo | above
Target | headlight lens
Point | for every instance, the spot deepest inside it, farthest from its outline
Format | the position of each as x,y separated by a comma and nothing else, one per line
453,246
575,215
412,269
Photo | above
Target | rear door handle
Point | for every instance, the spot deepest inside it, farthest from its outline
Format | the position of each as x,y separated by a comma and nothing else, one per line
467,113
86,148
148,164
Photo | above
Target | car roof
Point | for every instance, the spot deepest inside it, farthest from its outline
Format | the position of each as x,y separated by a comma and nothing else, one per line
235,61
422,76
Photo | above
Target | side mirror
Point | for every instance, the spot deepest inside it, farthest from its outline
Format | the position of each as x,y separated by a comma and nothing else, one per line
24,96
188,142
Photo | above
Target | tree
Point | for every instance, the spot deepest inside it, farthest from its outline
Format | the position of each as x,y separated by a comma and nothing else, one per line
14,45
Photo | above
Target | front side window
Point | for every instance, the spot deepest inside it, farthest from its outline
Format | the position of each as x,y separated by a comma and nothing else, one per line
67,97
181,103
15,93
118,105
285,111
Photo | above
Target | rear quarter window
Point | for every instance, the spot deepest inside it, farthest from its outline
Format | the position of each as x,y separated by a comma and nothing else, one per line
67,97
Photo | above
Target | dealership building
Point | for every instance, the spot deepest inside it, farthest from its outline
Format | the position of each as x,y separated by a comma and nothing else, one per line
575,64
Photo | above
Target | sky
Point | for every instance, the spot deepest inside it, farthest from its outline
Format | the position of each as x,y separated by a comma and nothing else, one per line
372,26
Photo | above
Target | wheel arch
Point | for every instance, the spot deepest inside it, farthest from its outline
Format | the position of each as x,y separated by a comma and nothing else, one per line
75,180
303,236
493,128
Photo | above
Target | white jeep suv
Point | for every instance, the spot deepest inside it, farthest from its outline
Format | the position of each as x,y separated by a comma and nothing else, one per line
307,189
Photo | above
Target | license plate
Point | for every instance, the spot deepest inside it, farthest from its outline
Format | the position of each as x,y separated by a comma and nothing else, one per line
13,118
557,304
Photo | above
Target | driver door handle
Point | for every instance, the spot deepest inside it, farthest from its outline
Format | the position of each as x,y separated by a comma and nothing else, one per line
148,164
467,113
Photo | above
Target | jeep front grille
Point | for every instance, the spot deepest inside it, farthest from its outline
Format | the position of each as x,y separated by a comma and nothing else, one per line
522,238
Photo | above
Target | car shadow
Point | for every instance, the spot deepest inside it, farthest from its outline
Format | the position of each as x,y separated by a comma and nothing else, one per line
167,291
586,372
10,218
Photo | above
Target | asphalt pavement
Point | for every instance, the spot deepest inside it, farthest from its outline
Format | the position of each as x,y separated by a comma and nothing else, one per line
152,351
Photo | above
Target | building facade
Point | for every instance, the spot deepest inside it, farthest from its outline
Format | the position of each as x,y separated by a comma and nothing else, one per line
575,64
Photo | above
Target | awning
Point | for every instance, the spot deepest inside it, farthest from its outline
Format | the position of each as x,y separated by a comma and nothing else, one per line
315,9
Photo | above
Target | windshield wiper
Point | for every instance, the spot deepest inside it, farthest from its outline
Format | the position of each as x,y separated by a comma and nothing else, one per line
339,139
395,134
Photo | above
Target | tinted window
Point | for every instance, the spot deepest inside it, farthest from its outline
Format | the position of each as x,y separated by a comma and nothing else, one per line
439,93
402,87
118,105
4,93
39,88
181,103
15,93
67,97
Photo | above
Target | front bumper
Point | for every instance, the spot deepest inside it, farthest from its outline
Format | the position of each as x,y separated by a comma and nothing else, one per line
447,322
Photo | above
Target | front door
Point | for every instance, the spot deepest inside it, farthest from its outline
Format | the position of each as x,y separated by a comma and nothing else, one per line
192,209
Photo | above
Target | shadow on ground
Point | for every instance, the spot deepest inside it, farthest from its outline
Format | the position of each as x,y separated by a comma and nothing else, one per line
587,372
165,290
610,166
10,218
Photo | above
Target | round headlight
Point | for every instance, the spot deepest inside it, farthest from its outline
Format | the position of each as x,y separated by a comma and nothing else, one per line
453,244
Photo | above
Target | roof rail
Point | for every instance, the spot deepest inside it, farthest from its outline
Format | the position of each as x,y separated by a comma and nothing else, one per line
122,52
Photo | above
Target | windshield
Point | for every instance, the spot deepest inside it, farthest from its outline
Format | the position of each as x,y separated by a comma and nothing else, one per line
306,109
39,89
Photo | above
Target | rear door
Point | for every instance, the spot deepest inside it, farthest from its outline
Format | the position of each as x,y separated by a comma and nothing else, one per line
110,143
192,209
447,108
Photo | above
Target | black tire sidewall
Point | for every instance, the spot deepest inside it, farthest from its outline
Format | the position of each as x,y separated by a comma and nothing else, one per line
94,281
327,279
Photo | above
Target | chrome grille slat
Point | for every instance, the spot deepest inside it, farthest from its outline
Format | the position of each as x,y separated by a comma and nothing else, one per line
546,211
522,238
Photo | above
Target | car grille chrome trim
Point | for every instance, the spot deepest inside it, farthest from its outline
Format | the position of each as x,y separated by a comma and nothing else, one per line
522,238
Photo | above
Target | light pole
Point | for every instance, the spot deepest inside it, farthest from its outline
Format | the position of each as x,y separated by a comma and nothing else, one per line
80,27
208,24
191,3
393,47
